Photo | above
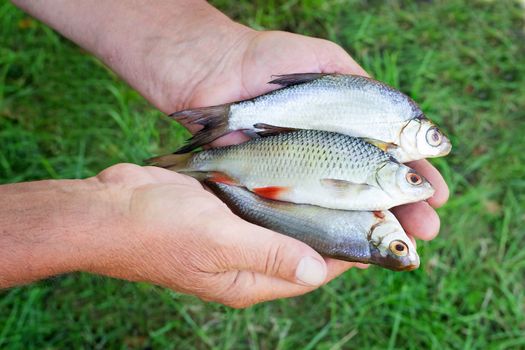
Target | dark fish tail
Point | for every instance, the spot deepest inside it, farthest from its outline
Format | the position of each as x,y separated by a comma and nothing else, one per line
182,163
214,120
175,162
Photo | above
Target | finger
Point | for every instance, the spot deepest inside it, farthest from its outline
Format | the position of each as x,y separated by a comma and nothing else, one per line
232,138
253,248
418,219
334,59
362,266
413,240
166,176
244,288
426,169
337,267
251,288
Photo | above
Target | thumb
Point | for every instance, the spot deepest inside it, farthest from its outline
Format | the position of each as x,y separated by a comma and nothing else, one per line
257,249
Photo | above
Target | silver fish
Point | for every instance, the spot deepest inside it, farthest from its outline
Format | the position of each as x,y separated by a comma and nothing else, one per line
358,236
349,104
311,167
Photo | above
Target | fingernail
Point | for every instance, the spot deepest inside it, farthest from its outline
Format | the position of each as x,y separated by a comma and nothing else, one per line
362,266
310,271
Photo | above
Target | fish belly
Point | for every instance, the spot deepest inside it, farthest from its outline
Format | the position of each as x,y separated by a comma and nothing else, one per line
359,198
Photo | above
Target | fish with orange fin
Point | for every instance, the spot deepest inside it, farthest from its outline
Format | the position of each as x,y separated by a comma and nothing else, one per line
357,236
321,168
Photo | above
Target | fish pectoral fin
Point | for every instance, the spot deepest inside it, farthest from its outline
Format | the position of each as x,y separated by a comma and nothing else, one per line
379,214
268,130
270,192
385,146
218,177
344,187
294,79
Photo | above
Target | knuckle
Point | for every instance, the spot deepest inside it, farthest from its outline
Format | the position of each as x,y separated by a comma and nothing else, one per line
116,172
274,259
237,302
237,289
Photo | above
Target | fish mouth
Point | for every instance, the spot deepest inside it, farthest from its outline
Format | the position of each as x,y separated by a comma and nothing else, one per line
392,262
443,149
446,147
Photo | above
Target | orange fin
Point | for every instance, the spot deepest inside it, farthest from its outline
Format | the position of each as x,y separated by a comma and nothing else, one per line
271,192
221,178
384,146
379,214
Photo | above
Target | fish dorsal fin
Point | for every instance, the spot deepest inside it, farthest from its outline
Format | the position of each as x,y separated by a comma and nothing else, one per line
343,187
385,146
294,79
267,130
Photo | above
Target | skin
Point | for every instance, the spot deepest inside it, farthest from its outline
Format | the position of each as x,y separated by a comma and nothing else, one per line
150,224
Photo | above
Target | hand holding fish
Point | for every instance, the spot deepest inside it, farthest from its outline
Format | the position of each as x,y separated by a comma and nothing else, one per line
182,237
250,77
150,224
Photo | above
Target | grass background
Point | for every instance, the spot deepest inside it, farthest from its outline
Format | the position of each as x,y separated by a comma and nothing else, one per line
64,115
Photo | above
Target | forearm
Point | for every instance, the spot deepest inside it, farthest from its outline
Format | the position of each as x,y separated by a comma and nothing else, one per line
51,227
130,36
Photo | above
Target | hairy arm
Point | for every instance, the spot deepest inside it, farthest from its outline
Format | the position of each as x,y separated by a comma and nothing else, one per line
153,45
48,228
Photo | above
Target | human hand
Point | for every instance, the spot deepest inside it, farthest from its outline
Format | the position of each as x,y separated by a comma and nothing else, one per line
191,56
172,232
250,65
150,224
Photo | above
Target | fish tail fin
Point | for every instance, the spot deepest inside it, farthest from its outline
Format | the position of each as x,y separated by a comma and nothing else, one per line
213,119
175,162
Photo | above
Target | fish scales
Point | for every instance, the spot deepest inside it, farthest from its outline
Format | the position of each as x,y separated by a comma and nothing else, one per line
306,152
371,103
311,167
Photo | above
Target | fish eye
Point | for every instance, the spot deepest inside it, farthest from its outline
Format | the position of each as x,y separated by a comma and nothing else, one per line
434,137
398,248
414,179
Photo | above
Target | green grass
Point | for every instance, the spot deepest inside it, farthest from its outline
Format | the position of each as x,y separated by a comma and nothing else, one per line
63,115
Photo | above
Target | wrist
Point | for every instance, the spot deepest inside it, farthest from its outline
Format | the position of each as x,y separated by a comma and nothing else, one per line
165,50
173,62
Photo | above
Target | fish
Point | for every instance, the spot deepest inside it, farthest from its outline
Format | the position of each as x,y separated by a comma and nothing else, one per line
314,167
350,104
356,236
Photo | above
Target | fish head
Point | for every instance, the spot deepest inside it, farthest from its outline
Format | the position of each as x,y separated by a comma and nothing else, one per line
403,183
420,138
390,246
